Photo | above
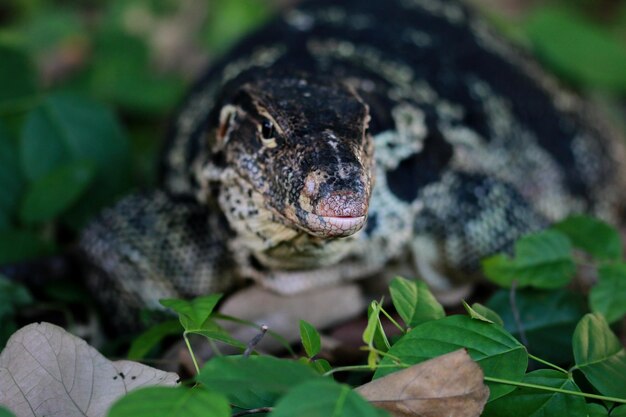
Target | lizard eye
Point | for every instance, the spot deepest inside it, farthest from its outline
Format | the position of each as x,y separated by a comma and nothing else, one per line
267,129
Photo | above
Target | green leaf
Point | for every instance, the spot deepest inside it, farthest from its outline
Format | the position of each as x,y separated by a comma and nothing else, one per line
322,398
55,192
122,72
255,381
321,366
193,313
542,260
578,50
597,410
12,296
549,319
374,335
310,339
414,302
11,181
528,402
18,79
146,341
171,402
480,312
616,412
495,350
593,236
230,20
600,356
608,296
21,245
212,331
5,413
66,128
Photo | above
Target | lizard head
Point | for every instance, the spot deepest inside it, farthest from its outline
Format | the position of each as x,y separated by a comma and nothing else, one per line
304,145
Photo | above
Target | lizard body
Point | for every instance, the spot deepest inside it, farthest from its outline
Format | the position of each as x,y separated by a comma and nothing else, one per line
345,137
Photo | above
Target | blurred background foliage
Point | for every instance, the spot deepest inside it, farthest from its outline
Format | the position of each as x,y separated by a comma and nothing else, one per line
86,88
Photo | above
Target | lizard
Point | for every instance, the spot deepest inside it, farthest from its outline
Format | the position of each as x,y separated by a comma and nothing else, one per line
345,138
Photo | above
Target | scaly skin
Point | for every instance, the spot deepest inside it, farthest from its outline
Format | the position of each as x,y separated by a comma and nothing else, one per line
345,137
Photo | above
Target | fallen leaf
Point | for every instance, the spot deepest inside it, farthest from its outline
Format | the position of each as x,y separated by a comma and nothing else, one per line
450,385
46,371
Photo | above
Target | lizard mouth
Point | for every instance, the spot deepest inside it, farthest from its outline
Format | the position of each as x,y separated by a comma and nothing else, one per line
334,226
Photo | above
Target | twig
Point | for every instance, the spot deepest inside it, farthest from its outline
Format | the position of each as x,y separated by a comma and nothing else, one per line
255,341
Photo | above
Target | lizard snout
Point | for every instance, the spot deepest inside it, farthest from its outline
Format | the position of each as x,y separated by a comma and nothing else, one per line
335,213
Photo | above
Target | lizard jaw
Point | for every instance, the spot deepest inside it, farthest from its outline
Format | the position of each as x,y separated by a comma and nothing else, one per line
334,226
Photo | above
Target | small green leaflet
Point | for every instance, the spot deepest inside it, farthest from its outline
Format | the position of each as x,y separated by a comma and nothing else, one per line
593,236
480,312
600,356
414,302
195,312
542,260
608,296
310,339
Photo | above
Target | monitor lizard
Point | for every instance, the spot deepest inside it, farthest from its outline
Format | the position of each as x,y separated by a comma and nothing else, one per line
346,137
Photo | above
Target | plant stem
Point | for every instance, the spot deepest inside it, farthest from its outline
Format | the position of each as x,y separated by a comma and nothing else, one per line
395,323
551,365
193,357
363,368
559,390
516,316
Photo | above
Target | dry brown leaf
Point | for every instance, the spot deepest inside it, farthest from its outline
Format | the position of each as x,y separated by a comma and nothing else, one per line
46,371
450,385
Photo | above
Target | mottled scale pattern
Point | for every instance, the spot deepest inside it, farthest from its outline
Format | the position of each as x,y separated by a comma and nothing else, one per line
345,136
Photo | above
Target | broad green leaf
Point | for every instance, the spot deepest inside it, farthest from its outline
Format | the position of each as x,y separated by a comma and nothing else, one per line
593,236
18,79
5,413
549,318
67,128
193,313
480,312
495,350
324,397
528,402
542,260
255,381
600,356
11,181
121,72
598,410
146,341
171,402
21,245
578,50
414,302
608,296
55,192
310,339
